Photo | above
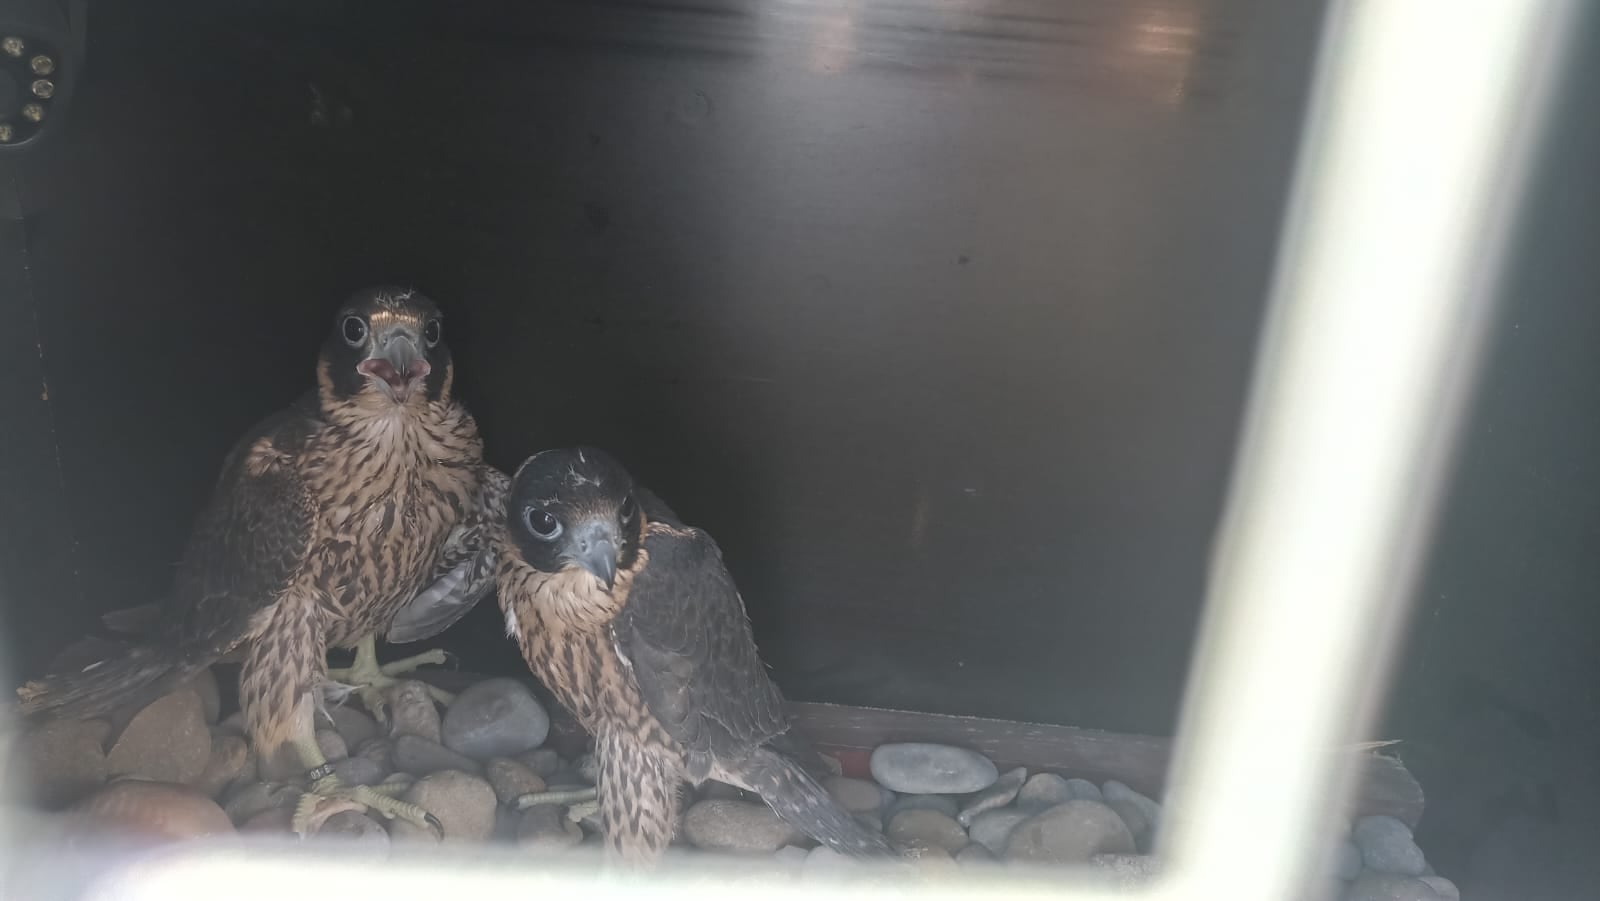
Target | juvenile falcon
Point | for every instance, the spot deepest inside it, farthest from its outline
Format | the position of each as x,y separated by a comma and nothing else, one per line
631,619
367,496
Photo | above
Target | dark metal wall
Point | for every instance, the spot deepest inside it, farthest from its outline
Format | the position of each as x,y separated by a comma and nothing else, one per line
937,315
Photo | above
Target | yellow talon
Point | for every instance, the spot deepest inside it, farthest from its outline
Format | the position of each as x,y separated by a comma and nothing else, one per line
369,679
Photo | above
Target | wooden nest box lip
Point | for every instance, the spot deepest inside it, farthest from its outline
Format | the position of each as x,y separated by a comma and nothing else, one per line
1139,761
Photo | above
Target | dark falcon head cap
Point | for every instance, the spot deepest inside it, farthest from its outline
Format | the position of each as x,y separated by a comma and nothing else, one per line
387,345
574,508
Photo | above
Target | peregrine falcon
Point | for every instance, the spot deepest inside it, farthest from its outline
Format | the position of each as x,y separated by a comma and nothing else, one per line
631,619
365,506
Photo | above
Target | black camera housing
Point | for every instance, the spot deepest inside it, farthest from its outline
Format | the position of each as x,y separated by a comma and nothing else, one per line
41,50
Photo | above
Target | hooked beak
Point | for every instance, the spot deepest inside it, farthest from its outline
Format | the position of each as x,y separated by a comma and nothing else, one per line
594,547
396,364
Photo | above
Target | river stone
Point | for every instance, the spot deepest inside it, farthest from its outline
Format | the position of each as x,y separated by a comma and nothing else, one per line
1046,790
511,779
462,802
248,800
1002,792
975,854
380,751
1126,870
405,831
942,803
495,718
567,779
357,831
1370,886
359,771
411,711
168,741
1347,861
790,859
930,769
419,757
205,686
251,771
758,871
929,862
1443,887
588,766
1083,790
505,824
277,821
855,795
404,780
991,829
332,745
712,790
1116,791
65,759
544,761
354,726
873,821
159,810
1387,846
1068,833
823,864
1133,816
912,828
738,826
227,764
547,828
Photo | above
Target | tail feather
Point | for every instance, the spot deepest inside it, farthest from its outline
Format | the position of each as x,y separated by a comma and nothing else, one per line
804,804
138,674
140,620
794,746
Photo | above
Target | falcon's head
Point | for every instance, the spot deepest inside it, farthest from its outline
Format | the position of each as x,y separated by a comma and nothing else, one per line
387,347
574,509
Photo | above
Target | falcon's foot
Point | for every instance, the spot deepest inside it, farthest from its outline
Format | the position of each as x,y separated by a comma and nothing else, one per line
329,796
576,798
577,813
368,680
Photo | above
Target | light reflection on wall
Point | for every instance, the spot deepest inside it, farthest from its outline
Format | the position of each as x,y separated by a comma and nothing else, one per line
1161,49
1151,50
834,44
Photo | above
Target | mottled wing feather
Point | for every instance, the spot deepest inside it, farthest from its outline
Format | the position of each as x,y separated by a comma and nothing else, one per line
246,548
249,542
466,571
655,509
685,631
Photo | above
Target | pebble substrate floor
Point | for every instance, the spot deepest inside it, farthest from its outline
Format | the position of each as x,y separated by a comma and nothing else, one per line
175,769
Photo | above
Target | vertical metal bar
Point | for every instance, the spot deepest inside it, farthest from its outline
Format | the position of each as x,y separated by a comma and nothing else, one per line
1412,164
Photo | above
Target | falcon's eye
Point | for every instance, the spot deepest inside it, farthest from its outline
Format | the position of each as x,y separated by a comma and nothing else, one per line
542,523
433,332
628,509
354,329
